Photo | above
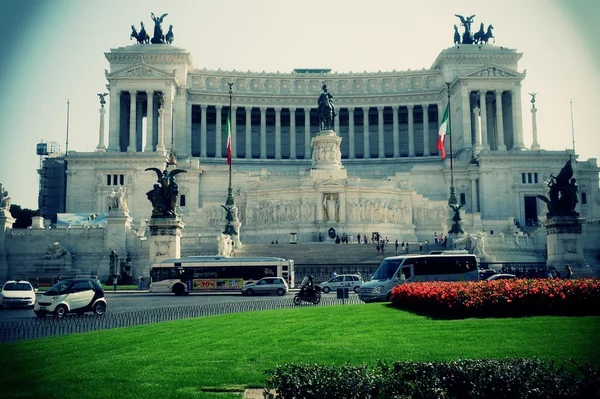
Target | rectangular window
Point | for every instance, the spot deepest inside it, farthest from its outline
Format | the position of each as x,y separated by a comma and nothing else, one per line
529,178
523,178
122,180
583,199
114,180
463,199
108,179
182,200
535,178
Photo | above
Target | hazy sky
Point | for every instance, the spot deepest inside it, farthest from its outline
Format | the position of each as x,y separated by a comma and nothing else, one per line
54,51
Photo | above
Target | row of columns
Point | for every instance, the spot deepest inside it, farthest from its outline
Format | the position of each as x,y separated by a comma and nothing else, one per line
307,148
481,117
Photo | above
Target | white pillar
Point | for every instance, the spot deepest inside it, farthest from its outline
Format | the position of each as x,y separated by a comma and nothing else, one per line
186,122
132,121
396,131
101,147
367,150
484,132
478,146
499,123
517,118
342,214
277,133
380,132
426,151
535,145
203,131
113,124
160,146
263,133
292,133
320,207
248,132
474,195
466,116
411,131
336,124
168,114
149,120
352,147
219,133
307,154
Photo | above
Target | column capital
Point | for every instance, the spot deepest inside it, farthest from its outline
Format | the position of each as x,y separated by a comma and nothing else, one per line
425,106
307,110
395,108
498,92
350,109
234,107
248,109
366,109
292,109
263,110
410,106
218,107
277,109
380,108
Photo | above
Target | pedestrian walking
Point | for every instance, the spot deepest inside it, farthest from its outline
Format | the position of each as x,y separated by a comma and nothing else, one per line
569,272
333,275
140,282
396,245
406,247
115,282
378,249
420,246
382,247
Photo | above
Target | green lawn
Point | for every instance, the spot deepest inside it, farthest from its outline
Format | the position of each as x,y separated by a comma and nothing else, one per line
189,358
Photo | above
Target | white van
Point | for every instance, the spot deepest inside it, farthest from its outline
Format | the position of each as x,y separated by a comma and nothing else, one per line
405,269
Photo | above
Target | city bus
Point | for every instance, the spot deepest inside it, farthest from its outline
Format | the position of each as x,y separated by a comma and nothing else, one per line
405,269
218,273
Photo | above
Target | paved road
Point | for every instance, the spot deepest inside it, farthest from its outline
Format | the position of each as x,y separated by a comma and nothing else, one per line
136,301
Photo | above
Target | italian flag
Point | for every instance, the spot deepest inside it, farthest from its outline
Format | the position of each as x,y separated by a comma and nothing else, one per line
228,127
444,127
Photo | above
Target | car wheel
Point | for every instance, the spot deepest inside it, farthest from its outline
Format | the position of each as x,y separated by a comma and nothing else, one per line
297,299
99,308
249,291
326,290
356,289
60,311
317,298
280,291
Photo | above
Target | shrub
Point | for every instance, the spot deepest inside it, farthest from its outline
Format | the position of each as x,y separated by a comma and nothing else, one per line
500,298
506,378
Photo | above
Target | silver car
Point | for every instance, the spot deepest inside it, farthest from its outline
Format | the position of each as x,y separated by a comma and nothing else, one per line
350,281
267,285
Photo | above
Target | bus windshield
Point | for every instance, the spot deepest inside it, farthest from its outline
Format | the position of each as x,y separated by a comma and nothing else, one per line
386,269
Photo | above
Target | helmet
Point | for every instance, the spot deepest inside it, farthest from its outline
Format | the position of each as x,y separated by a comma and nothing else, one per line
310,277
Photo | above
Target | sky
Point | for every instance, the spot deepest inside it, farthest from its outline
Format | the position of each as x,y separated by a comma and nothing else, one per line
54,53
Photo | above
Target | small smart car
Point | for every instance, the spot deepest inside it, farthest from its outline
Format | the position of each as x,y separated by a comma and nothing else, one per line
76,295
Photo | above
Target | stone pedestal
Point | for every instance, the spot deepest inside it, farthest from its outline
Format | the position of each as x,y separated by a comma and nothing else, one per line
164,240
6,222
117,225
327,157
565,245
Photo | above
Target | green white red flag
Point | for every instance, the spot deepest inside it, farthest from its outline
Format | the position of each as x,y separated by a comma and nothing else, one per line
444,127
228,127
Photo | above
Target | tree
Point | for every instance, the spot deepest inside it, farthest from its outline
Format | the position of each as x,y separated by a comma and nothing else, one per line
23,216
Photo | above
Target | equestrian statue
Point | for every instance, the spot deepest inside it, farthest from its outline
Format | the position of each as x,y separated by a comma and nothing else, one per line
326,110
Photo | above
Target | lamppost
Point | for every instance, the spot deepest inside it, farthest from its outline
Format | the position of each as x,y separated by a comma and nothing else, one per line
452,200
229,203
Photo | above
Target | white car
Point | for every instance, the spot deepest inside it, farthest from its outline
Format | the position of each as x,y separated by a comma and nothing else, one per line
76,295
350,281
267,285
501,276
17,293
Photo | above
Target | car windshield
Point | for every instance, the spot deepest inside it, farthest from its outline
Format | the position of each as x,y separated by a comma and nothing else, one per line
59,288
17,287
386,270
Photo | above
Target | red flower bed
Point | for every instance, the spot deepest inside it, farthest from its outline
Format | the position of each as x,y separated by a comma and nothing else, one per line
500,298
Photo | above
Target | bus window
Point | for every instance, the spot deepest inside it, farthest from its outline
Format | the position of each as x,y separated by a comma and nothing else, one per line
405,273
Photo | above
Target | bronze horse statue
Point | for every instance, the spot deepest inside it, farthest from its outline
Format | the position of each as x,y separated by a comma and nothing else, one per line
483,36
326,110
456,35
141,37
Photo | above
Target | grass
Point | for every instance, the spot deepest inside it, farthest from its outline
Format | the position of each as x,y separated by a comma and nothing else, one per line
216,356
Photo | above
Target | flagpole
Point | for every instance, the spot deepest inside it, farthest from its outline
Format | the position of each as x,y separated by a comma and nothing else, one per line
452,200
229,201
572,127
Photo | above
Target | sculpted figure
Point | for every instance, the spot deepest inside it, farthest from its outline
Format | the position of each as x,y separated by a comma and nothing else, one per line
164,194
326,109
4,199
158,37
56,251
562,192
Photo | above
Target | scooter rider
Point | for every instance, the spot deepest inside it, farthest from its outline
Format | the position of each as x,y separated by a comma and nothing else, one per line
307,286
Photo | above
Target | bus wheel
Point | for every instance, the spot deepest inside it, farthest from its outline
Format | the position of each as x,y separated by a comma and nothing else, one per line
178,289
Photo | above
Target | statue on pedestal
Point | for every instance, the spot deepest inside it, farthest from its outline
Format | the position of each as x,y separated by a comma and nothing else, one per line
164,194
563,191
456,229
158,37
117,201
4,200
466,22
326,110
